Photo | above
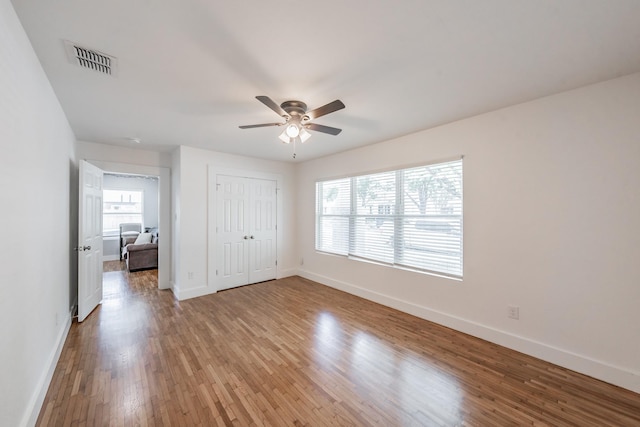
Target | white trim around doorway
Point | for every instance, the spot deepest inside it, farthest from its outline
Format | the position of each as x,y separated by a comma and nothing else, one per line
164,210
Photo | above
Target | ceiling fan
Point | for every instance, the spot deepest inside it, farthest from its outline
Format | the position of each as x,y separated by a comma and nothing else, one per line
297,119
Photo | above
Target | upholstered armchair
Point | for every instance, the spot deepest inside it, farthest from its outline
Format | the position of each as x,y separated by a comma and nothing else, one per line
143,253
129,232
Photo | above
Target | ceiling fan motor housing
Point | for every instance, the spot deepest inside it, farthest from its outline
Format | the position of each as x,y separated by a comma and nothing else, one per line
294,108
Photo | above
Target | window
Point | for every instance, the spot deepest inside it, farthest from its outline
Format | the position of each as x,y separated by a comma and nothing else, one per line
120,206
409,218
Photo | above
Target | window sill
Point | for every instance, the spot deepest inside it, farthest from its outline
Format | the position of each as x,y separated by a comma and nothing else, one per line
396,266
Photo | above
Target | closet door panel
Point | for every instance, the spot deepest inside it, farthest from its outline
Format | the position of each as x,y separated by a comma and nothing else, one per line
262,252
232,232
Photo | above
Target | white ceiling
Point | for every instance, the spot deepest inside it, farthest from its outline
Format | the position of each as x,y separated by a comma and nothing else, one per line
189,70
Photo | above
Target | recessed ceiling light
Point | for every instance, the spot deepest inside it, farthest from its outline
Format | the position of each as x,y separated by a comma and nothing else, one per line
134,140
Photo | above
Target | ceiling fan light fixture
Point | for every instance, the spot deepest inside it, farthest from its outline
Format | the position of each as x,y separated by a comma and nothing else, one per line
284,137
297,120
292,130
304,135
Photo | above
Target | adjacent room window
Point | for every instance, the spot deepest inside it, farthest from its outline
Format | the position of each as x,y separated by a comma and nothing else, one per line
410,218
120,206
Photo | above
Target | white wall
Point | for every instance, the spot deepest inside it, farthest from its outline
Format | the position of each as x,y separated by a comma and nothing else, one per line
37,167
193,241
551,208
134,155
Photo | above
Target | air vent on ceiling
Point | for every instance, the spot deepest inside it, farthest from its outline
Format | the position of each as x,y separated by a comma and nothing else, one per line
91,59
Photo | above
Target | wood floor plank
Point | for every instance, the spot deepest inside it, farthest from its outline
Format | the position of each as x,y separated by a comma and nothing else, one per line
294,352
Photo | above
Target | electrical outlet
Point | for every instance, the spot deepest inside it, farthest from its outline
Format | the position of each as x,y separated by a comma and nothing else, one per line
190,275
301,261
513,312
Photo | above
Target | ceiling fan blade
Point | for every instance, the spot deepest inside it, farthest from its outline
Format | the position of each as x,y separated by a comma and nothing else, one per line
324,129
271,104
260,125
325,109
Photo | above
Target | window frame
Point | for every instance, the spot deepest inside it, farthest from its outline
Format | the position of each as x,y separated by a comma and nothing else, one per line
400,217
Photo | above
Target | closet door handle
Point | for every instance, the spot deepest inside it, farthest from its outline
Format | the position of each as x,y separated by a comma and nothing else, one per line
251,237
245,237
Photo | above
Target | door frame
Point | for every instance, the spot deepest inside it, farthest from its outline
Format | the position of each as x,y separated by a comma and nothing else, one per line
164,211
212,173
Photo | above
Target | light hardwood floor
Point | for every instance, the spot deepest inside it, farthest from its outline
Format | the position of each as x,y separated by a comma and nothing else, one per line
294,352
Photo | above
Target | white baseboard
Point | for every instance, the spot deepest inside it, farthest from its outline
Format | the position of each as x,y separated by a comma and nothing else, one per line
287,272
211,289
110,258
193,292
165,284
597,369
35,403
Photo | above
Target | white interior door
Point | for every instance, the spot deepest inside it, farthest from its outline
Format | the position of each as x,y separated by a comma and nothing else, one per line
262,230
232,234
245,231
90,236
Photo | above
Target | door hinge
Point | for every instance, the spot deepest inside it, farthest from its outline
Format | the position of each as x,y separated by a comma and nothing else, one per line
276,262
216,272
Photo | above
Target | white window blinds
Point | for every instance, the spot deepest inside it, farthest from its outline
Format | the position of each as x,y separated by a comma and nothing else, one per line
333,199
409,218
120,206
373,229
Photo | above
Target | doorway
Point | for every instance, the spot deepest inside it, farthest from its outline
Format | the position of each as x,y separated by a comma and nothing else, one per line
128,199
164,214
163,176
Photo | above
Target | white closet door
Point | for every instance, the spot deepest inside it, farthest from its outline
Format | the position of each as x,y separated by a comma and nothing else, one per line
245,231
262,229
232,233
